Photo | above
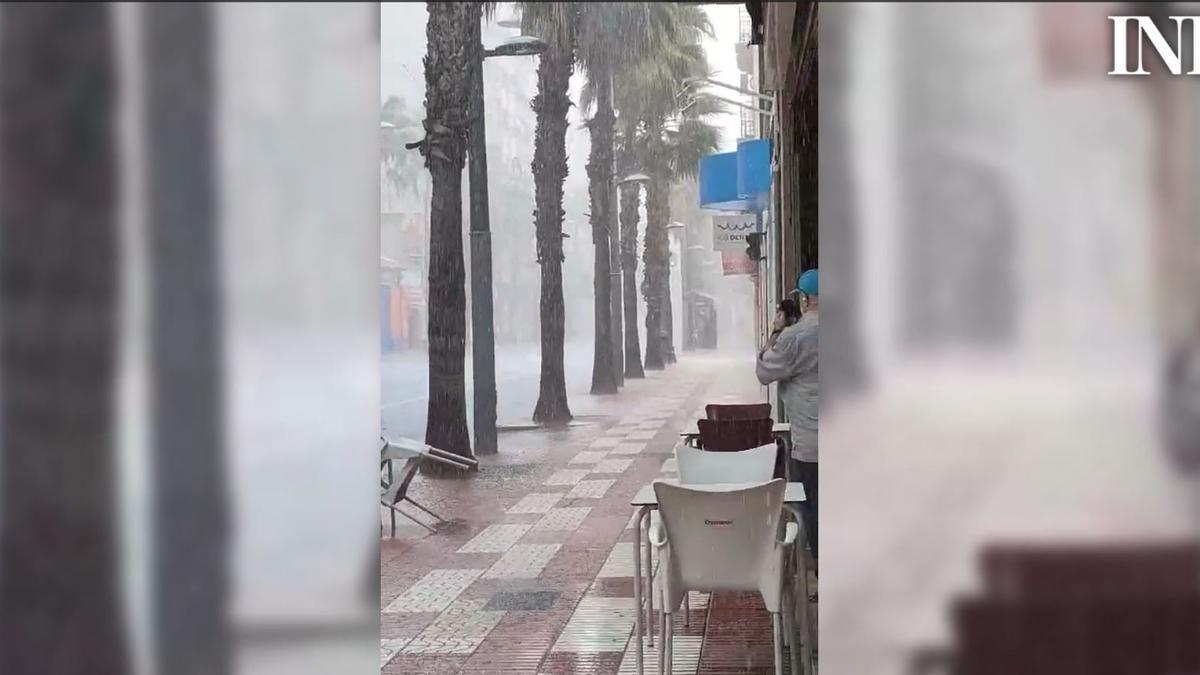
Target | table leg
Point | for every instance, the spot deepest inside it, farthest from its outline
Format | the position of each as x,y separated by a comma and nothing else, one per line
637,586
391,513
649,583
799,565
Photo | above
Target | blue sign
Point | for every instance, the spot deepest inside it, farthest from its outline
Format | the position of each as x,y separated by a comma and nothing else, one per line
738,181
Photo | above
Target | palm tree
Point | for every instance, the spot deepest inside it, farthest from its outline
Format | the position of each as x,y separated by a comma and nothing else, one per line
60,598
555,23
646,90
400,167
666,141
447,79
630,202
692,139
612,39
599,49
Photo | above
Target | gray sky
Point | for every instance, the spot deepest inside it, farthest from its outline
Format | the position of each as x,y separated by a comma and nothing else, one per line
403,45
722,59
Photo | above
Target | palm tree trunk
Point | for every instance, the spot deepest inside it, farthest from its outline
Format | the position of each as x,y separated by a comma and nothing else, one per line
191,531
657,260
668,318
630,203
600,180
60,606
447,73
549,172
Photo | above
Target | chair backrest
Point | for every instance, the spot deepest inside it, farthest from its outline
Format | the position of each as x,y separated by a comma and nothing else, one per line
737,411
1091,571
721,538
1111,637
727,435
697,467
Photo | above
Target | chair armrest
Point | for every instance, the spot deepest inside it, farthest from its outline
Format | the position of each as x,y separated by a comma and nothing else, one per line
789,535
657,534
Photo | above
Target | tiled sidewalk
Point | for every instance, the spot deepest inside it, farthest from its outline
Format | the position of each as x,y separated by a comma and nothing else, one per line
534,574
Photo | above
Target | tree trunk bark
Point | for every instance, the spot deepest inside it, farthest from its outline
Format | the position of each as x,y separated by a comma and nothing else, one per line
551,105
600,180
668,316
483,333
657,260
191,532
630,203
447,78
60,605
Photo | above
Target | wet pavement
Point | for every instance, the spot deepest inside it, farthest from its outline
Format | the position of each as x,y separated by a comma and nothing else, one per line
533,572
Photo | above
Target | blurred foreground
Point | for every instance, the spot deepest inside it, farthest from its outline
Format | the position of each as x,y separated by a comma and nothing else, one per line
1024,270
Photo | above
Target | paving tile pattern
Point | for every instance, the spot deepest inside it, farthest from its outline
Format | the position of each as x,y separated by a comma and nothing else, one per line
435,592
536,503
567,518
591,489
523,561
566,476
459,630
496,538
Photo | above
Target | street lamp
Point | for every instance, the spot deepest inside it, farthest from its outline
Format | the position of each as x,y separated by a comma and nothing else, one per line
521,45
483,344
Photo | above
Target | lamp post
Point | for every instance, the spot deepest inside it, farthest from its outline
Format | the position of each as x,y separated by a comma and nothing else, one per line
483,344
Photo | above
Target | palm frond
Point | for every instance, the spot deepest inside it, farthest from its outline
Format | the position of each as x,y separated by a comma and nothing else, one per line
550,21
686,145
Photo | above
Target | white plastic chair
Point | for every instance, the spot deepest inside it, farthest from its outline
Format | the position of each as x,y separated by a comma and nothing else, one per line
699,467
713,539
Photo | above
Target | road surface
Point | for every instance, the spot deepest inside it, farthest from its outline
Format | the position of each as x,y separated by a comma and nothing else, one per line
404,386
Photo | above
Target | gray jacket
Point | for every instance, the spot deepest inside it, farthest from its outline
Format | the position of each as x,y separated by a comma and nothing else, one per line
792,362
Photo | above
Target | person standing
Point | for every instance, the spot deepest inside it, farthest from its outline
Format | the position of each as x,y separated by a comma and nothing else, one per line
789,358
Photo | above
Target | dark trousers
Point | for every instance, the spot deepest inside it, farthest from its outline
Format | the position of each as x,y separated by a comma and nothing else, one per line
806,473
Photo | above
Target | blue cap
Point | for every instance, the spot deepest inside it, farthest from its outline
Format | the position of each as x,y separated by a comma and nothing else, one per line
807,283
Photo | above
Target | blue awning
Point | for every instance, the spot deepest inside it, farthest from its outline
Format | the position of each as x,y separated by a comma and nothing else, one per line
737,181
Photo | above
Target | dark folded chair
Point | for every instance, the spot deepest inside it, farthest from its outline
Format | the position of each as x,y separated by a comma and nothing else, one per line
1078,609
734,435
1043,572
737,411
1112,636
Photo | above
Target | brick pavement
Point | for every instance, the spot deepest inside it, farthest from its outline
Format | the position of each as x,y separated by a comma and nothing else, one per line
533,574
